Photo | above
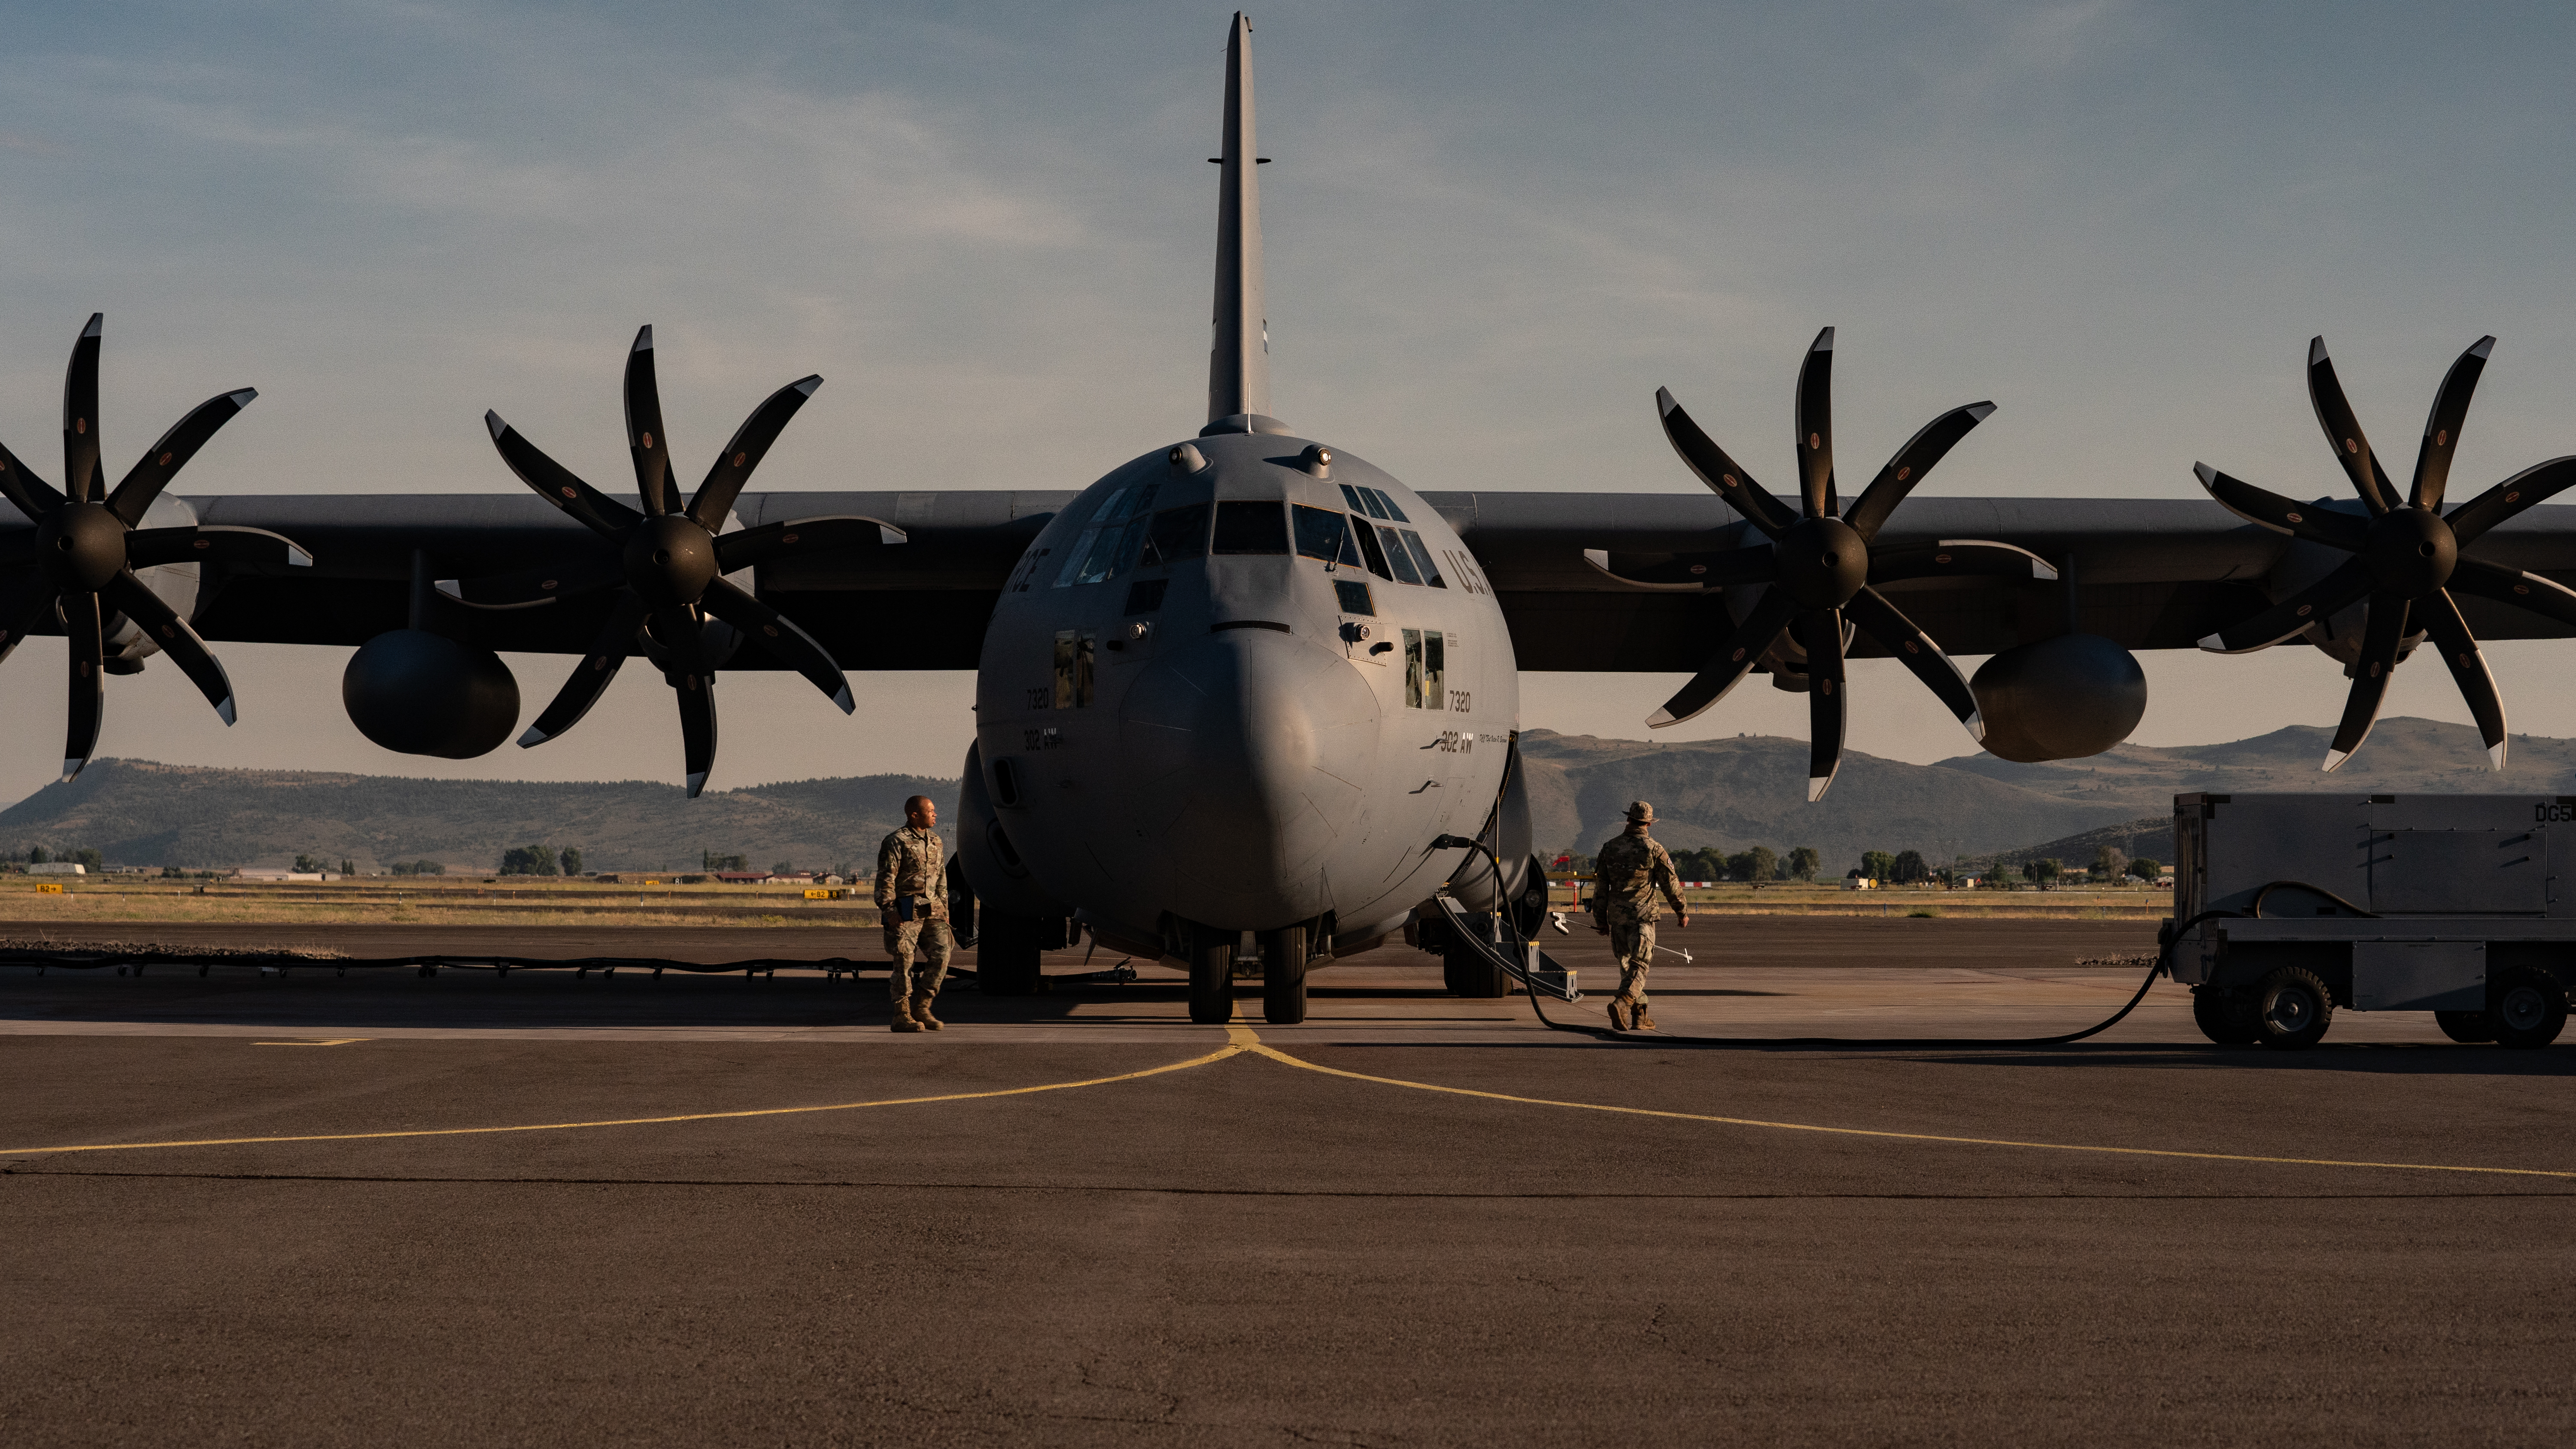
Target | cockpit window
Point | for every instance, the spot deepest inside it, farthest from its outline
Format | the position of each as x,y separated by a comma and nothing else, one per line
1251,526
1369,548
1361,501
1179,534
1110,544
1398,557
1422,558
1387,500
1321,533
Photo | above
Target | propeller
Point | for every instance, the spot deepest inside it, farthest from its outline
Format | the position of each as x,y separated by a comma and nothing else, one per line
1822,569
2407,559
667,564
78,564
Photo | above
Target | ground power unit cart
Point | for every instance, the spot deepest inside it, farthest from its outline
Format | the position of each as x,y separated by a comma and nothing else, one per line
2291,905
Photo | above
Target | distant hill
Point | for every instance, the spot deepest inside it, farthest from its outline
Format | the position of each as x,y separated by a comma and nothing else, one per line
1738,793
139,813
2148,836
1734,793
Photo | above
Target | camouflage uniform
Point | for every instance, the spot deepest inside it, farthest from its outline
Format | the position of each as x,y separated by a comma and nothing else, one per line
913,863
1629,870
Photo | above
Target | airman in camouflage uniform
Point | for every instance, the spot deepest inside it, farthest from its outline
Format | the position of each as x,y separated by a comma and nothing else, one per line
912,899
1628,872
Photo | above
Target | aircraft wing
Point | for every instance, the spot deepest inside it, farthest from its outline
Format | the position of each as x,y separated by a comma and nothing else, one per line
2149,573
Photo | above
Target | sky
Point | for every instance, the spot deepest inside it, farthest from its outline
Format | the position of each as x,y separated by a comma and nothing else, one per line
1492,232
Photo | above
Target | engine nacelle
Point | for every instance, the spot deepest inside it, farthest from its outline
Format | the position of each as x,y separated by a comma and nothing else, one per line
2059,699
419,693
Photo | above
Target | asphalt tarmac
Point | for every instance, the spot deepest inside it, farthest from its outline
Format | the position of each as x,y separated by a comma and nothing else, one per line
717,1210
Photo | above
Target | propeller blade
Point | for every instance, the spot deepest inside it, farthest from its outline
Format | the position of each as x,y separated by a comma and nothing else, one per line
34,496
1906,641
557,484
1732,660
252,550
87,695
750,443
1958,558
156,618
2343,430
1721,473
2506,586
1909,465
1822,633
772,541
529,588
778,634
153,471
80,415
2441,619
2266,509
2380,638
1755,565
2535,484
682,634
1815,408
644,436
2317,601
2442,428
616,640
23,601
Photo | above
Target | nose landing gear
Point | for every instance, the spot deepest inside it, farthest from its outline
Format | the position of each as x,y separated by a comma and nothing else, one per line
1283,976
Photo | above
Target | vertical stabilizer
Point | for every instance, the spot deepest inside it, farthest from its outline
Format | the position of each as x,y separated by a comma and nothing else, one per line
1239,363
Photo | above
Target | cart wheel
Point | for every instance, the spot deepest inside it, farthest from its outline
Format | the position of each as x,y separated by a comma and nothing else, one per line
2225,1017
2467,1027
2530,1007
2291,1009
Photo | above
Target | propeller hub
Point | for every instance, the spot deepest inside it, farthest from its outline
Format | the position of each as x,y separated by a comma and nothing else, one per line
83,547
1822,562
2411,551
670,560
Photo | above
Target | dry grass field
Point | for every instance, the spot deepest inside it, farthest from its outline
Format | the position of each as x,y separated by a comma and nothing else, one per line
508,901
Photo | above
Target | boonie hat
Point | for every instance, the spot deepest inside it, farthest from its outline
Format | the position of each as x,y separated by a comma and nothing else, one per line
1640,810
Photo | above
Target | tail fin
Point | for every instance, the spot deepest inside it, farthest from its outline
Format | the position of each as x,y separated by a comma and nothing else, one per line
1239,364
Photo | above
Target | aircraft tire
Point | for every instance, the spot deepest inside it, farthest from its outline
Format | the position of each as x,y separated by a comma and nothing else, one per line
1006,955
1467,973
2469,1028
2292,1009
1283,976
2530,1008
1212,980
2224,1017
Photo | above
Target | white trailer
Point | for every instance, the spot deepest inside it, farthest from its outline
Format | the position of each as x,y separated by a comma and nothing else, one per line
2292,905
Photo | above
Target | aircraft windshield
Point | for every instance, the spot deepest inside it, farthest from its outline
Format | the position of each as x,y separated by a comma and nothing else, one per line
1251,526
1116,533
1321,533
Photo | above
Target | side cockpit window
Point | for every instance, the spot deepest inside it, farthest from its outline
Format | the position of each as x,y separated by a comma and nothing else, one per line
1110,543
1422,558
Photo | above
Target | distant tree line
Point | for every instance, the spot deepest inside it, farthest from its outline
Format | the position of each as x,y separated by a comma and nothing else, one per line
541,860
82,855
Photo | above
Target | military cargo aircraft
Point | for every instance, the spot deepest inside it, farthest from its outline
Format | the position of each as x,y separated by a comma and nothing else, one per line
1248,683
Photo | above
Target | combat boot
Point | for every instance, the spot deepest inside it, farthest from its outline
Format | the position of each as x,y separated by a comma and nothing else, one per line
1618,1014
1638,1018
921,1014
903,1018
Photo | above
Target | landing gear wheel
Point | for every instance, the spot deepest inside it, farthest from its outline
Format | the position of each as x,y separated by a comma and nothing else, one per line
2225,1017
2292,1009
2529,1007
2466,1027
1283,976
1006,955
1466,972
1212,978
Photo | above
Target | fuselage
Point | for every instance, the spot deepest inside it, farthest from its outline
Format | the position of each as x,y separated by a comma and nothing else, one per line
1242,684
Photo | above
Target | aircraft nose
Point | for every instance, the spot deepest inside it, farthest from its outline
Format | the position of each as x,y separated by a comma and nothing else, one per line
1250,747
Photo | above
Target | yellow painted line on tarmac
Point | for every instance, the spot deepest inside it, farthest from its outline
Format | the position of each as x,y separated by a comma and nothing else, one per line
1255,1046
1235,1039
333,1041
